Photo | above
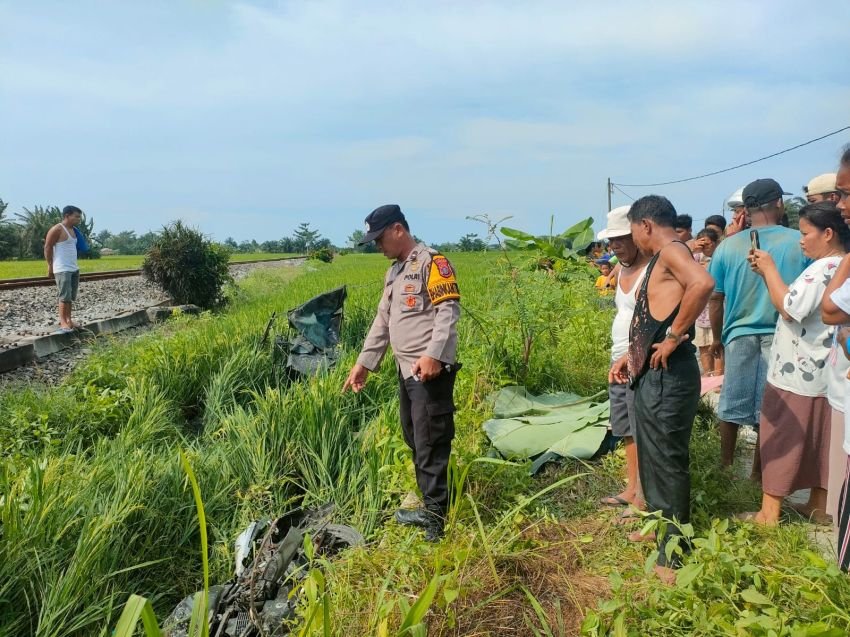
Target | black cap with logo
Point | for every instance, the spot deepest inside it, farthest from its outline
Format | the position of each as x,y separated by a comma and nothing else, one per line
762,191
379,220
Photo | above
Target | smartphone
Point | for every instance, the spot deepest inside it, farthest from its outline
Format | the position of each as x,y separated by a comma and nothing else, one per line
754,239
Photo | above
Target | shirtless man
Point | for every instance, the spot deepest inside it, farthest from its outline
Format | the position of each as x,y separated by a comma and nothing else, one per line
662,367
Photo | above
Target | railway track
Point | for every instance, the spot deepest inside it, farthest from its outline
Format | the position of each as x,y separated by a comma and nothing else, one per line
40,281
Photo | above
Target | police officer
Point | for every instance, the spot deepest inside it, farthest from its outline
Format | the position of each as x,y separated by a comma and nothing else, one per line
417,315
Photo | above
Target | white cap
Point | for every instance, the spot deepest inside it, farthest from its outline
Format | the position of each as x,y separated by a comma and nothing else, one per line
821,184
736,199
618,224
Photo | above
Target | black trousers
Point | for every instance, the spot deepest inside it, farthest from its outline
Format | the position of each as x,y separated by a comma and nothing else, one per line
427,423
665,407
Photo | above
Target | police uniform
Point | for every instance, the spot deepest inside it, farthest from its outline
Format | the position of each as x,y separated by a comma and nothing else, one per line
417,316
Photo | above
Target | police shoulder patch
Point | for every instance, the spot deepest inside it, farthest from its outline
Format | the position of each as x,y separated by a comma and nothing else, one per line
442,284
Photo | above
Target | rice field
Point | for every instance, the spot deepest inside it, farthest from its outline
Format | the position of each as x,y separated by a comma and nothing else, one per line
94,504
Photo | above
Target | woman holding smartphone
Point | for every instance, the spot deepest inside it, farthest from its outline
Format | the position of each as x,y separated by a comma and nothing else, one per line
795,412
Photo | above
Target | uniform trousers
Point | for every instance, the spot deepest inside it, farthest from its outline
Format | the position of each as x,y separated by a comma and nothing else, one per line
427,424
665,406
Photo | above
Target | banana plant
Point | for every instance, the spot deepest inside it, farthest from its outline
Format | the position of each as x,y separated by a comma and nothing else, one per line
570,244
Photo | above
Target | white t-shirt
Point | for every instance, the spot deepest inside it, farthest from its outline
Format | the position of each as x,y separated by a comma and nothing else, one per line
837,367
625,304
798,356
839,364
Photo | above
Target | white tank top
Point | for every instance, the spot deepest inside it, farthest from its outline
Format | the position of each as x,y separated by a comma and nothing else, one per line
625,303
65,253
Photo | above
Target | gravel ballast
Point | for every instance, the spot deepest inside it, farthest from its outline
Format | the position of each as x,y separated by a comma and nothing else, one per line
28,312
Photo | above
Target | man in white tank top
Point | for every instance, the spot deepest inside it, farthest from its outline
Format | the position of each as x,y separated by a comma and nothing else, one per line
621,397
60,252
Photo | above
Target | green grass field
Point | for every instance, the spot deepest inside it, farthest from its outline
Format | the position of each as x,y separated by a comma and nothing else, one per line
94,504
22,269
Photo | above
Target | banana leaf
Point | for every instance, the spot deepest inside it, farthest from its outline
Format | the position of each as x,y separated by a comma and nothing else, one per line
547,427
517,234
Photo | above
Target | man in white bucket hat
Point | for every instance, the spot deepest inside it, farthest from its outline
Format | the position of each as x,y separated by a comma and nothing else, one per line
735,203
618,232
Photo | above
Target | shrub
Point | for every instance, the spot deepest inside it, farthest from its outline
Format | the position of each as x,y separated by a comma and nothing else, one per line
323,254
188,266
93,253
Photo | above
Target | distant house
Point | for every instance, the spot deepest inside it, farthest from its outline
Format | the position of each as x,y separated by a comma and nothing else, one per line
108,252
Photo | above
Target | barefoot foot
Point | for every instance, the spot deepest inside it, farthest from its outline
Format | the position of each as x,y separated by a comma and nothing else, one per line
756,517
636,536
666,575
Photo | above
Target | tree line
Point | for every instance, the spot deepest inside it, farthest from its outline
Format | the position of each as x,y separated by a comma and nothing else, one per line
22,237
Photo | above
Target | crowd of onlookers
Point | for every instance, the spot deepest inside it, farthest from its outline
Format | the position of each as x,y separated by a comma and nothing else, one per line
760,304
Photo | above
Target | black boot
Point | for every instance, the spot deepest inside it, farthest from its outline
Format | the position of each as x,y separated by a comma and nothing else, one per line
435,528
414,517
430,520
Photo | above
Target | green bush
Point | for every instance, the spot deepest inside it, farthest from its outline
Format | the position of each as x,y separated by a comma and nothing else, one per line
322,254
188,266
93,253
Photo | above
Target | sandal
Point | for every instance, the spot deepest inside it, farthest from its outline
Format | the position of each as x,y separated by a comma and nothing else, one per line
815,516
614,501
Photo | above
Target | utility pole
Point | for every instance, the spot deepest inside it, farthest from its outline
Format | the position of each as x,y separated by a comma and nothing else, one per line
610,192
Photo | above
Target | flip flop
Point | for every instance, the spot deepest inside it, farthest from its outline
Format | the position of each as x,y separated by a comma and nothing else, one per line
64,330
614,501
815,517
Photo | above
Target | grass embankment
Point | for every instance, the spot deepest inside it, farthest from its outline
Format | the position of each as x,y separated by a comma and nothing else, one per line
37,267
95,504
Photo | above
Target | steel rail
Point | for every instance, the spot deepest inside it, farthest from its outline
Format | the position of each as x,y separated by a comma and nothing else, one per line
41,281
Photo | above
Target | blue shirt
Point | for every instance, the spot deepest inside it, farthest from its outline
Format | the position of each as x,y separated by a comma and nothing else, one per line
748,309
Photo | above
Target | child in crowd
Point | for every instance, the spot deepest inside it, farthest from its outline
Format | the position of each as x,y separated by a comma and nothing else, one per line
604,283
704,246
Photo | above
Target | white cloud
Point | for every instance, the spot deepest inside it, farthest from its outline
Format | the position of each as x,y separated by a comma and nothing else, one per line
450,108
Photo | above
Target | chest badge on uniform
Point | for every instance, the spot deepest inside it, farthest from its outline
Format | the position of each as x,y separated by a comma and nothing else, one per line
409,288
410,301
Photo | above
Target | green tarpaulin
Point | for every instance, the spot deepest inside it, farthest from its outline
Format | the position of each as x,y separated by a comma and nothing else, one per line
548,427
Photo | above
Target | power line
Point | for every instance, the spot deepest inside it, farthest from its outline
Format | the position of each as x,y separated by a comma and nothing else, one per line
726,170
621,191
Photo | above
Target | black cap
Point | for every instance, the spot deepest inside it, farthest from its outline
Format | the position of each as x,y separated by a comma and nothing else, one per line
379,220
762,191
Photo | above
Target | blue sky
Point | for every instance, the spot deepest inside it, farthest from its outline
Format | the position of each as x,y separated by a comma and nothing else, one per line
245,119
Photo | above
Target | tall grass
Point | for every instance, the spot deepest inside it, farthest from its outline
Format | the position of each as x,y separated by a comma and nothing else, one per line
94,505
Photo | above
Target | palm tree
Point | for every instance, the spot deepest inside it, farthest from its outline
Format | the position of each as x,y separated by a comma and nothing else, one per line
8,234
792,209
34,225
37,222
